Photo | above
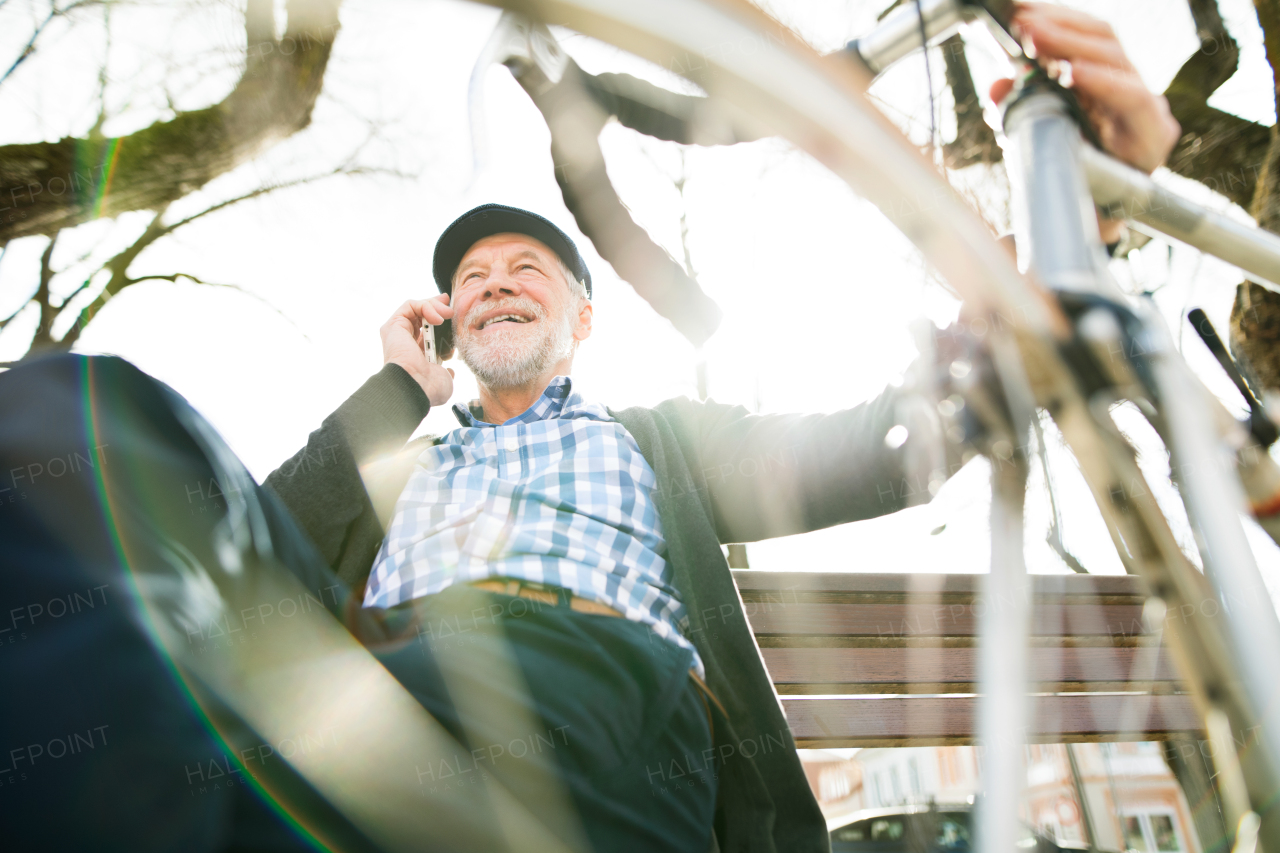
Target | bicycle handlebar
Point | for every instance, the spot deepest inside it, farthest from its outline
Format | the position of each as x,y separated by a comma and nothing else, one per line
899,34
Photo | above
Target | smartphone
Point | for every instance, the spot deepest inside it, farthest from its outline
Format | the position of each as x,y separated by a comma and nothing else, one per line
429,343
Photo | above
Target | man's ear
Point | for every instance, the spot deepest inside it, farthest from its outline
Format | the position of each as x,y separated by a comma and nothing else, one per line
582,328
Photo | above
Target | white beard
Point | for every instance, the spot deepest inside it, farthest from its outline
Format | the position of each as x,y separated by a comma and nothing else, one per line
507,356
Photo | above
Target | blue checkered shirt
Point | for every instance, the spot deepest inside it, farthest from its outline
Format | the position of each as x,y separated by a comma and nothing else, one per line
558,495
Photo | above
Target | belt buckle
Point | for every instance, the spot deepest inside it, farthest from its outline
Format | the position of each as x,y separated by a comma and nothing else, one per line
561,594
516,587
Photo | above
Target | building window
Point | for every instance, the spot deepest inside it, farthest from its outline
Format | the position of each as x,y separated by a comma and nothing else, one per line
834,785
1151,833
1163,832
947,766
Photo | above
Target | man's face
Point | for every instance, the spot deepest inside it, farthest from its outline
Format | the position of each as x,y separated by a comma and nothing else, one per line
515,315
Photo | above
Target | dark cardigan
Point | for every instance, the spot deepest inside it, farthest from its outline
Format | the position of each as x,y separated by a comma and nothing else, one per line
724,475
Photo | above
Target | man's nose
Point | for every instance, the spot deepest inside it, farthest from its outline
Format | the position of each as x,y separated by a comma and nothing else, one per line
501,284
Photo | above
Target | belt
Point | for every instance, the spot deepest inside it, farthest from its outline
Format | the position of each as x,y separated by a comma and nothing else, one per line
547,595
704,693
551,595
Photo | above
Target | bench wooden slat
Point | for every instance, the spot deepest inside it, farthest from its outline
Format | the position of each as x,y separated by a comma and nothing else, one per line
955,670
779,584
905,620
889,639
832,723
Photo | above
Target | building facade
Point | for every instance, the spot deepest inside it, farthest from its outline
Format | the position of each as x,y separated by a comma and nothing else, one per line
1132,800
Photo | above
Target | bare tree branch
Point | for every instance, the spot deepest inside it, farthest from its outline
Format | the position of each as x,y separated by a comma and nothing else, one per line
175,276
975,141
47,311
84,285
679,184
1221,150
678,181
5,321
119,280
30,47
95,132
47,186
350,171
156,229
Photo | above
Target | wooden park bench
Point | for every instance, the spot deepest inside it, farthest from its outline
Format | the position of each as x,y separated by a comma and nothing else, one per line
892,659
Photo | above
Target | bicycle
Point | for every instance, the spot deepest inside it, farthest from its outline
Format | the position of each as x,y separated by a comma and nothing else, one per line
1065,339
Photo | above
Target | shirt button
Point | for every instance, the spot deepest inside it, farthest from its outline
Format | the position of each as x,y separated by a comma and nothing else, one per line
513,445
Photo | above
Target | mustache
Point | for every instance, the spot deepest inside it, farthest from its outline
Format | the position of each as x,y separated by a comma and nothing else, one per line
510,303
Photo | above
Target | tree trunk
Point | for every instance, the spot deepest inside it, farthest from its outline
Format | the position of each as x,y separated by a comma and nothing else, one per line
1255,316
975,141
1222,151
48,186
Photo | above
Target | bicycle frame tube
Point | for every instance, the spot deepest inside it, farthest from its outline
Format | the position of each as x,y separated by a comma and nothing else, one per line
1150,208
1214,503
1004,709
1054,222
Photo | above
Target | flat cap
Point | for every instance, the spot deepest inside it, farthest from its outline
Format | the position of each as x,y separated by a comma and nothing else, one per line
489,219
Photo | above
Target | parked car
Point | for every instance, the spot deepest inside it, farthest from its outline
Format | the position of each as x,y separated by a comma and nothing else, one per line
935,828
905,829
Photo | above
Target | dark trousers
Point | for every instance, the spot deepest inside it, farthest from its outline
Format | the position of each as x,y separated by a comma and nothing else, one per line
105,473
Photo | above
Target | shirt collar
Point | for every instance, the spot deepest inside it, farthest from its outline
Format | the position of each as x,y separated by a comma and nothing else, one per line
551,404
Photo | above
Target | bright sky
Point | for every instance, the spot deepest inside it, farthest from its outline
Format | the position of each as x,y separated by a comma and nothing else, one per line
817,288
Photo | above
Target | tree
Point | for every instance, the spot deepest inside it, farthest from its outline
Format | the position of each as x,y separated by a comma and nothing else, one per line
47,187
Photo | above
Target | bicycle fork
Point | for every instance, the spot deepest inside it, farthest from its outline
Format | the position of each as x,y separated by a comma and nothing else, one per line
1230,661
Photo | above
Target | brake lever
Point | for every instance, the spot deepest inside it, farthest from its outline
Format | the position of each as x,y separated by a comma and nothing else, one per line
1260,424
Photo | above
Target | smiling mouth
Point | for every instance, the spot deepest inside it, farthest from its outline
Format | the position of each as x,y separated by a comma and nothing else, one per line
503,318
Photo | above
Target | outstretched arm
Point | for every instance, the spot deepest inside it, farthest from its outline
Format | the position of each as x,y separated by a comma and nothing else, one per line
775,475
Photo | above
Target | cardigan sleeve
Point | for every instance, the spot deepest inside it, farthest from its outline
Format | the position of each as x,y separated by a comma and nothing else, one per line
321,484
776,475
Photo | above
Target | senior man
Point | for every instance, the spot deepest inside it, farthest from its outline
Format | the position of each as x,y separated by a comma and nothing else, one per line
559,562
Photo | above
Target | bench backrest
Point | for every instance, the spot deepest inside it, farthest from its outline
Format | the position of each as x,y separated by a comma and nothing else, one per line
892,659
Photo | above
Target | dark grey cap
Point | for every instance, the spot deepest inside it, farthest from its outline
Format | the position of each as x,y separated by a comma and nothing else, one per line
489,219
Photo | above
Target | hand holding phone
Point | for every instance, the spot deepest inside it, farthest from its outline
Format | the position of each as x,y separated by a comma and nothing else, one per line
429,343
408,340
